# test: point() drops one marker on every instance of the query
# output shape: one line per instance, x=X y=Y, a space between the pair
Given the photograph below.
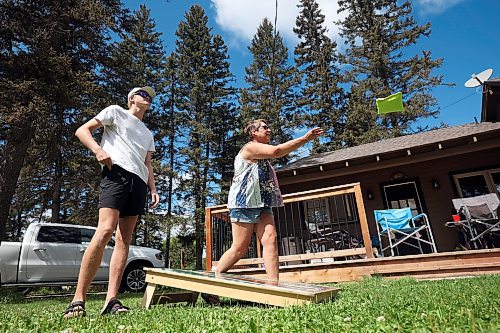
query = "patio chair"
x=398 y=226
x=318 y=238
x=481 y=220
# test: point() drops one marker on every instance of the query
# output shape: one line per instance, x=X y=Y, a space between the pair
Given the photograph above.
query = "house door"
x=402 y=195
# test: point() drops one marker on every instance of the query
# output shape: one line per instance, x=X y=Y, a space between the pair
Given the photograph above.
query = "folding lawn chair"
x=319 y=238
x=482 y=222
x=399 y=227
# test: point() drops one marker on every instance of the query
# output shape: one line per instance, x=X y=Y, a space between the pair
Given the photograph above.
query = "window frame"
x=487 y=174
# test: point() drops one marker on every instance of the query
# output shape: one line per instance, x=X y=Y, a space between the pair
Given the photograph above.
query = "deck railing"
x=313 y=226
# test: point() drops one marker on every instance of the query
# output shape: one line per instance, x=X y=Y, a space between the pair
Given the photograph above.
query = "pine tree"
x=49 y=53
x=193 y=48
x=170 y=131
x=224 y=119
x=272 y=85
x=316 y=58
x=377 y=34
x=138 y=59
x=205 y=97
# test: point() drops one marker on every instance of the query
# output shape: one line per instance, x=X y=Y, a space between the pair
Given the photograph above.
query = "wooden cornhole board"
x=235 y=286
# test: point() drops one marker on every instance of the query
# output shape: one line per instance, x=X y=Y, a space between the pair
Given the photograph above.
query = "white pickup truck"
x=50 y=255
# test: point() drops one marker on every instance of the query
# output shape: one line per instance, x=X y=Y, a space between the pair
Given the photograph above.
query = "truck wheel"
x=134 y=279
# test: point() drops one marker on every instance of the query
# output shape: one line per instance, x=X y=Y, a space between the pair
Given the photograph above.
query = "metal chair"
x=399 y=227
x=481 y=221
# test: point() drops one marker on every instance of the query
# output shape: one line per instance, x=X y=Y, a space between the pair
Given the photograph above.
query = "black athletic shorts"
x=122 y=190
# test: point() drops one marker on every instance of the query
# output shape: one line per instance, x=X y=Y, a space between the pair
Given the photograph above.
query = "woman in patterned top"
x=254 y=191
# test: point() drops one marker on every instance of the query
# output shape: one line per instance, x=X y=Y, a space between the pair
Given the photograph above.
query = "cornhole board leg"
x=238 y=287
x=148 y=295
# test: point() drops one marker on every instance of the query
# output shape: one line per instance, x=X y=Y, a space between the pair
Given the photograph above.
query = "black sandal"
x=75 y=309
x=114 y=306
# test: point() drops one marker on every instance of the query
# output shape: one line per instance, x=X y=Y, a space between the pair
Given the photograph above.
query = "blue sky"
x=466 y=33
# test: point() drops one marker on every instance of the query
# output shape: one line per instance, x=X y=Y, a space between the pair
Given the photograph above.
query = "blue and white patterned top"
x=254 y=185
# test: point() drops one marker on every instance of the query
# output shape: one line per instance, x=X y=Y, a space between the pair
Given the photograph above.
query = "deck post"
x=363 y=221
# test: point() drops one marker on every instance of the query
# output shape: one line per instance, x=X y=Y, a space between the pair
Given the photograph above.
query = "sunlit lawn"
x=371 y=305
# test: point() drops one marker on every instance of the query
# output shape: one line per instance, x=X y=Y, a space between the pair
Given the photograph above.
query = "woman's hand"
x=314 y=133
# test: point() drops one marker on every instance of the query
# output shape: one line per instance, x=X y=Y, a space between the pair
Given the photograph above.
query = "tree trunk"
x=56 y=189
x=170 y=192
x=14 y=153
x=197 y=202
x=167 y=247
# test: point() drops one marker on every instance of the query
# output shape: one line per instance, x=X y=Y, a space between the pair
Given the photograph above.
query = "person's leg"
x=266 y=233
x=108 y=217
x=123 y=238
x=242 y=235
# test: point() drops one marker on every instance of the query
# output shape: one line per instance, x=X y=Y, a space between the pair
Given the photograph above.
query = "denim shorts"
x=248 y=215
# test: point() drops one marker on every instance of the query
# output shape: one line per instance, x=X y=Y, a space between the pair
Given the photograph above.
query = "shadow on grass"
x=14 y=295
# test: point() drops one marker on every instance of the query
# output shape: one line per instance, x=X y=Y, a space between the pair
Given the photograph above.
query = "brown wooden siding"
x=437 y=201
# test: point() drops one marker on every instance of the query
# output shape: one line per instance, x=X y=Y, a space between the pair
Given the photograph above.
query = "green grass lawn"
x=371 y=305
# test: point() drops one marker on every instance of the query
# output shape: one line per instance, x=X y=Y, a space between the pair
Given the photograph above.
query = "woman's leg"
x=266 y=233
x=242 y=234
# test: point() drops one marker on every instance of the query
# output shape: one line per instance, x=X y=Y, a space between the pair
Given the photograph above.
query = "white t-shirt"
x=126 y=140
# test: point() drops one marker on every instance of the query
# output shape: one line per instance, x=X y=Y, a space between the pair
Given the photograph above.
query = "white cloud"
x=436 y=6
x=241 y=18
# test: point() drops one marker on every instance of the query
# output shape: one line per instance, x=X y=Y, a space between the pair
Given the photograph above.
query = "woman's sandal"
x=114 y=306
x=75 y=309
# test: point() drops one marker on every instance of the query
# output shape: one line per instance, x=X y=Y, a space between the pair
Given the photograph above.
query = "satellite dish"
x=478 y=79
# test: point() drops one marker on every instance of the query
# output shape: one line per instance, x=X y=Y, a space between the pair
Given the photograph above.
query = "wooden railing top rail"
x=304 y=195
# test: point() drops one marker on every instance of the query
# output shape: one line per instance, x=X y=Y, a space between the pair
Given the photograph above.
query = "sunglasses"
x=144 y=94
x=265 y=127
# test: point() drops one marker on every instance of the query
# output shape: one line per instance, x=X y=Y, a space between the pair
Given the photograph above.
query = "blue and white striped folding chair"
x=399 y=227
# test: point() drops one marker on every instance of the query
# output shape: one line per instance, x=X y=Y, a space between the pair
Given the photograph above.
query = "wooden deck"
x=331 y=266
x=427 y=266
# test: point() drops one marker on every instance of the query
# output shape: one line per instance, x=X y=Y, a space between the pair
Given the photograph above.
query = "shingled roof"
x=402 y=143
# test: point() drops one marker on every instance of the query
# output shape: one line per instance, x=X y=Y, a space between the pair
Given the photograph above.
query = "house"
x=423 y=171
x=326 y=227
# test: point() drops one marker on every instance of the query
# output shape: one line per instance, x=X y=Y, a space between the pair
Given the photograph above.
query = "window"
x=331 y=210
x=50 y=234
x=87 y=234
x=402 y=195
x=478 y=183
x=495 y=176
x=317 y=211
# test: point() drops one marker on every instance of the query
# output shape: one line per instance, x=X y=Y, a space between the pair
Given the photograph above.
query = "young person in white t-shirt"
x=125 y=156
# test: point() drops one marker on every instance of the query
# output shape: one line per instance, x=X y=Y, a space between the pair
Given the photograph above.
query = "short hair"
x=129 y=102
x=251 y=126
